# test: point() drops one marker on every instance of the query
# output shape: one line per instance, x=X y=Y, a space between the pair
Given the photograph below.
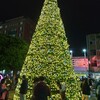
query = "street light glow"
x=71 y=52
x=84 y=50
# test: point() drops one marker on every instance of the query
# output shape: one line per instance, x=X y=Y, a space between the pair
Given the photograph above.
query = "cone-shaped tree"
x=49 y=55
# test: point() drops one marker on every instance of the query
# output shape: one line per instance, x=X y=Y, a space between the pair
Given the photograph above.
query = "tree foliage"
x=12 y=52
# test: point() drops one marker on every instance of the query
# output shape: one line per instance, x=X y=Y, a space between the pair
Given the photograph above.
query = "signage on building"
x=80 y=64
x=95 y=62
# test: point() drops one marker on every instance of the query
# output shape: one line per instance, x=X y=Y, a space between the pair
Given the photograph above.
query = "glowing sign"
x=80 y=63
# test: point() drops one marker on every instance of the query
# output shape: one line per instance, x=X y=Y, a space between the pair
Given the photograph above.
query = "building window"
x=98 y=36
x=13 y=35
x=91 y=42
x=20 y=34
x=20 y=28
x=6 y=26
x=5 y=32
x=21 y=23
x=1 y=27
x=92 y=52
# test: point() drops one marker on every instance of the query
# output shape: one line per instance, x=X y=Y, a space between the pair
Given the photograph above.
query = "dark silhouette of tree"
x=12 y=52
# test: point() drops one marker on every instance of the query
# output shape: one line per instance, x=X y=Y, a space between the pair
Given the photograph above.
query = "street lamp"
x=84 y=51
x=71 y=52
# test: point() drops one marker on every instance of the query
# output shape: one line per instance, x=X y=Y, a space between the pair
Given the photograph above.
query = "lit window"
x=13 y=35
x=20 y=34
x=1 y=27
x=20 y=28
x=21 y=23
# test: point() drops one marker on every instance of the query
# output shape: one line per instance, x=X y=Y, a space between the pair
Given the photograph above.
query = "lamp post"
x=71 y=53
x=84 y=51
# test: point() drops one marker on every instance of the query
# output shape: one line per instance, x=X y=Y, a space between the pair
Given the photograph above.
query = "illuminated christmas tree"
x=49 y=54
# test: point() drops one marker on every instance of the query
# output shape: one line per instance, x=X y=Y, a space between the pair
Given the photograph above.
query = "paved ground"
x=11 y=94
x=93 y=96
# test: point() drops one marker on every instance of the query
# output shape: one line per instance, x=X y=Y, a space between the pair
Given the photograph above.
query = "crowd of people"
x=90 y=88
x=5 y=86
x=41 y=90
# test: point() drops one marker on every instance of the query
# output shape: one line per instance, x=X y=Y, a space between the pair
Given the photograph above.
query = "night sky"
x=80 y=17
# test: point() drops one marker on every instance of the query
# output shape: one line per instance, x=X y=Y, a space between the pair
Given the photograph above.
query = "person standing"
x=3 y=90
x=85 y=89
x=8 y=82
x=36 y=80
x=41 y=90
x=23 y=88
x=98 y=91
x=62 y=90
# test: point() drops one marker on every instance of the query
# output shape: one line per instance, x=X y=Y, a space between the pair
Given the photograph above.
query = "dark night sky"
x=80 y=17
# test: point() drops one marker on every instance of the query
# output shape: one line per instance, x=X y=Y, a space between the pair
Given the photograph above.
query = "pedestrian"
x=3 y=90
x=23 y=88
x=8 y=82
x=85 y=89
x=41 y=90
x=15 y=80
x=62 y=90
x=98 y=91
x=36 y=80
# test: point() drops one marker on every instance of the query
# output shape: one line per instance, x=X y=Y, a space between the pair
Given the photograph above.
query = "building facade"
x=93 y=51
x=20 y=27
